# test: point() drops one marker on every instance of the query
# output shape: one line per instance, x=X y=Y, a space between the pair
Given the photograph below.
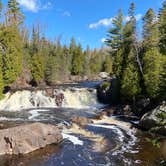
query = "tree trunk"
x=138 y=60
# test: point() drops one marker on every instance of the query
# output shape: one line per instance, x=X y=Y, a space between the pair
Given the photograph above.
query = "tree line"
x=45 y=61
x=139 y=64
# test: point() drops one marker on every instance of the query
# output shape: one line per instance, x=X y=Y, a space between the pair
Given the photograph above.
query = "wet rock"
x=82 y=121
x=142 y=106
x=1 y=125
x=49 y=92
x=108 y=92
x=27 y=138
x=107 y=112
x=127 y=110
x=155 y=120
x=59 y=97
x=104 y=75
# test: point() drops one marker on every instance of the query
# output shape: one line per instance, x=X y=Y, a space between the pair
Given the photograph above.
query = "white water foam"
x=81 y=98
x=126 y=147
x=118 y=131
x=75 y=140
x=9 y=119
x=35 y=113
x=73 y=98
x=25 y=100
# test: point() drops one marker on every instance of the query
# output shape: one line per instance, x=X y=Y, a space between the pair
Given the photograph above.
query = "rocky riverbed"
x=91 y=134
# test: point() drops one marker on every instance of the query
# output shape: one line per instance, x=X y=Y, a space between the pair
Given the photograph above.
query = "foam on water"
x=35 y=113
x=73 y=98
x=112 y=127
x=122 y=129
x=75 y=140
x=81 y=98
x=25 y=100
x=10 y=119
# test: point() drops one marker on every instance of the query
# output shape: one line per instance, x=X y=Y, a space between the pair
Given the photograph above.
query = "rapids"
x=105 y=142
x=72 y=98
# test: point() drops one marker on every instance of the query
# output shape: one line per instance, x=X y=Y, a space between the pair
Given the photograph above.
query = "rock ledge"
x=27 y=138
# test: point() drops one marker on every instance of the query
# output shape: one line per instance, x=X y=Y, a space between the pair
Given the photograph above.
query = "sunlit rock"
x=155 y=120
x=27 y=138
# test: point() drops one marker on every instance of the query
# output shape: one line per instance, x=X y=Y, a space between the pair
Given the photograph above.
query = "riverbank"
x=92 y=134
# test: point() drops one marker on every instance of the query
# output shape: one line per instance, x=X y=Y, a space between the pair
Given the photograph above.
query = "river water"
x=107 y=142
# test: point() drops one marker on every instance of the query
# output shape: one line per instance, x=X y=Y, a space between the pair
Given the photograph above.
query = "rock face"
x=27 y=138
x=82 y=121
x=108 y=92
x=155 y=120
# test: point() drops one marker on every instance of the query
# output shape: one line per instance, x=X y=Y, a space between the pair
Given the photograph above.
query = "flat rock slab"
x=27 y=138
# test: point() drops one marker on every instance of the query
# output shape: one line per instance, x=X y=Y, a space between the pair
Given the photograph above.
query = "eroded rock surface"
x=155 y=120
x=27 y=138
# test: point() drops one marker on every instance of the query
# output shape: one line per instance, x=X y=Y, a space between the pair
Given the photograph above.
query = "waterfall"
x=62 y=97
x=80 y=98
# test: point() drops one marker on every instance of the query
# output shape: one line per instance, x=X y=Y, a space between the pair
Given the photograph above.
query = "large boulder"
x=155 y=120
x=27 y=138
x=108 y=91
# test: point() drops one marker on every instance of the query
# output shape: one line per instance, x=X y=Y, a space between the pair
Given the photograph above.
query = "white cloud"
x=66 y=13
x=31 y=5
x=103 y=22
x=106 y=22
x=103 y=40
x=46 y=6
x=34 y=5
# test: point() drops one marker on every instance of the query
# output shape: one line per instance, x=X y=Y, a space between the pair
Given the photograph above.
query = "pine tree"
x=153 y=61
x=162 y=29
x=153 y=69
x=163 y=78
x=72 y=49
x=130 y=30
x=150 y=30
x=37 y=63
x=12 y=58
x=61 y=54
x=1 y=77
x=130 y=83
x=115 y=41
x=86 y=62
x=51 y=70
x=115 y=34
x=65 y=61
x=35 y=39
x=38 y=68
x=118 y=63
x=95 y=62
x=107 y=65
x=14 y=15
x=1 y=54
x=77 y=62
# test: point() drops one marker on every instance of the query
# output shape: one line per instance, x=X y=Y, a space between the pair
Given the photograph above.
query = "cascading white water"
x=72 y=98
x=80 y=98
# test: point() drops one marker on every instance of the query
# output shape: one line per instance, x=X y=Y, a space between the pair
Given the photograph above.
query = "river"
x=107 y=142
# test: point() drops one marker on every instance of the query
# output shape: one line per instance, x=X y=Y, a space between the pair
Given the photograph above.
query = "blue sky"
x=86 y=20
